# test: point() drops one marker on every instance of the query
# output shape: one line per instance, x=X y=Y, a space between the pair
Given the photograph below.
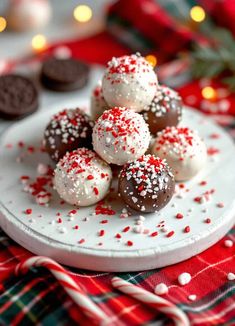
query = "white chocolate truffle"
x=129 y=81
x=82 y=178
x=120 y=136
x=25 y=15
x=183 y=149
x=98 y=104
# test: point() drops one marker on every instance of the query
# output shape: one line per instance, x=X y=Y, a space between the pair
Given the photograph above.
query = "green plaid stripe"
x=38 y=298
x=33 y=298
x=128 y=33
x=138 y=278
x=227 y=291
x=179 y=9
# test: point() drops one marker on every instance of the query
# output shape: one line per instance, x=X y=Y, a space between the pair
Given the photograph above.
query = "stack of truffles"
x=129 y=111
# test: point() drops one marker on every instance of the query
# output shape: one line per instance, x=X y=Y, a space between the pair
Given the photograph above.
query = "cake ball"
x=28 y=14
x=183 y=149
x=146 y=184
x=66 y=131
x=165 y=109
x=98 y=104
x=129 y=81
x=120 y=136
x=82 y=178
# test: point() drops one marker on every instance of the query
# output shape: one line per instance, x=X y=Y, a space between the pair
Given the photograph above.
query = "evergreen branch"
x=216 y=58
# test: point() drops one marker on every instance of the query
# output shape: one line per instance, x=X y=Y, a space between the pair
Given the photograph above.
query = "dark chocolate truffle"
x=18 y=97
x=68 y=130
x=64 y=75
x=146 y=184
x=165 y=110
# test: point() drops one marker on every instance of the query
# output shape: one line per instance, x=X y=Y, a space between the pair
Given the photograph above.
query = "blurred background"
x=58 y=24
x=190 y=43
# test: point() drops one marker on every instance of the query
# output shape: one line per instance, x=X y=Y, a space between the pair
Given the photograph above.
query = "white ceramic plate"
x=41 y=233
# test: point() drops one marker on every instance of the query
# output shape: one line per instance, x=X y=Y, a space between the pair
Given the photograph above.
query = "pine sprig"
x=218 y=57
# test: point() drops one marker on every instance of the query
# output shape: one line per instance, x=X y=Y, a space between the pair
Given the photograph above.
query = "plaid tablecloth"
x=37 y=298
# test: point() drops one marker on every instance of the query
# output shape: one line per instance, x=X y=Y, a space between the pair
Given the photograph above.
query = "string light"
x=39 y=42
x=209 y=93
x=151 y=59
x=82 y=13
x=197 y=14
x=3 y=24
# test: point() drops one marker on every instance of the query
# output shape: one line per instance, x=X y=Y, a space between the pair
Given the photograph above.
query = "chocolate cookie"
x=18 y=97
x=64 y=75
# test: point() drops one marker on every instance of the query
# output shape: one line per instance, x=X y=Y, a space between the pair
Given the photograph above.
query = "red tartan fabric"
x=163 y=34
x=137 y=12
x=214 y=305
x=223 y=12
x=96 y=49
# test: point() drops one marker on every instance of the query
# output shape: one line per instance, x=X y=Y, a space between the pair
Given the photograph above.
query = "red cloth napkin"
x=96 y=49
x=146 y=26
x=223 y=12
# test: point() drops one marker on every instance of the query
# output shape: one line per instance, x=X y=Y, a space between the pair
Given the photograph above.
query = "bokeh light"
x=39 y=42
x=209 y=93
x=151 y=59
x=197 y=14
x=82 y=13
x=3 y=24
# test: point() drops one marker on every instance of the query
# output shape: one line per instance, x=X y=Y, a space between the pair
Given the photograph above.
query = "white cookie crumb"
x=138 y=229
x=184 y=278
x=161 y=289
x=231 y=276
x=42 y=169
x=42 y=199
x=228 y=243
x=141 y=218
x=192 y=297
